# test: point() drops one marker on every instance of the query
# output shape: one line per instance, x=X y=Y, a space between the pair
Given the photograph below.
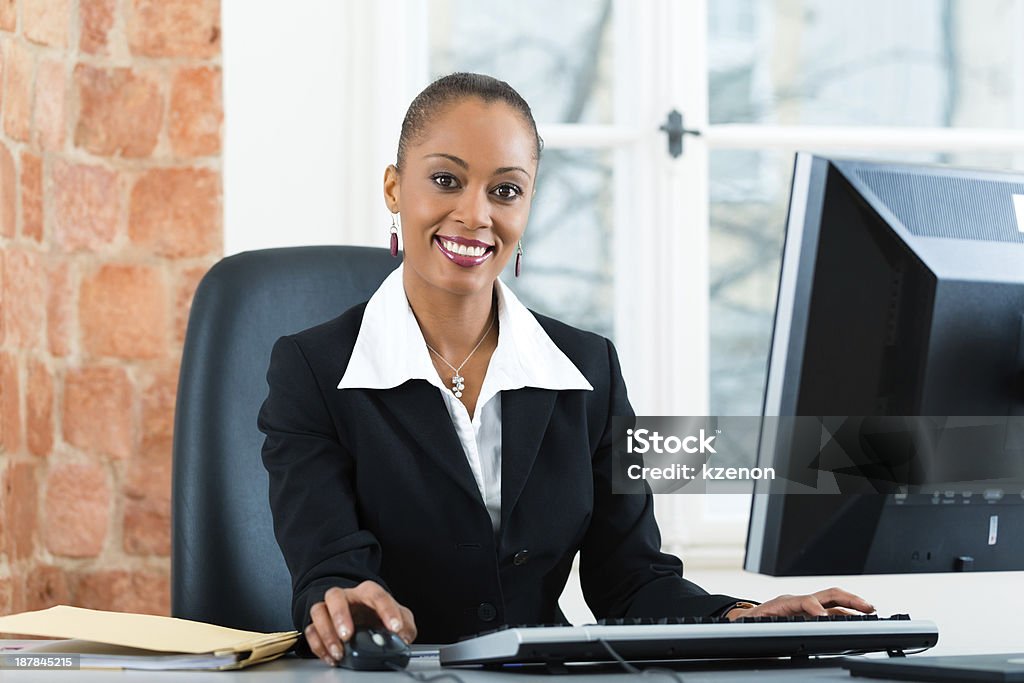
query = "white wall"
x=283 y=152
x=313 y=101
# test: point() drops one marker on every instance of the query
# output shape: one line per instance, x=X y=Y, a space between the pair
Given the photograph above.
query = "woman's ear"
x=392 y=191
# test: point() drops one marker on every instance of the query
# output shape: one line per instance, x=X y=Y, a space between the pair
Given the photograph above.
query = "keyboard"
x=693 y=638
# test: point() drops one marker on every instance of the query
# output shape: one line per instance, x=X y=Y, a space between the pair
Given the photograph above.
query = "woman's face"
x=464 y=195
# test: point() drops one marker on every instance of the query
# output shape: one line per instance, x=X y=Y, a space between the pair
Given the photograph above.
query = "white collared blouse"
x=390 y=350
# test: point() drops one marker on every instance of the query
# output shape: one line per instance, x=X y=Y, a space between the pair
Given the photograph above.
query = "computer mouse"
x=375 y=649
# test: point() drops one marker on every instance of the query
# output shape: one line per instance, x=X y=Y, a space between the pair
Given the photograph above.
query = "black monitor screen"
x=900 y=326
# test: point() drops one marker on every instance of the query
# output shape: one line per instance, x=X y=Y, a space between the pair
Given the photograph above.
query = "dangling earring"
x=394 y=237
x=519 y=257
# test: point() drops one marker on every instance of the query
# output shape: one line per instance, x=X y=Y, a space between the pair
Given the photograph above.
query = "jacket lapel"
x=525 y=414
x=419 y=408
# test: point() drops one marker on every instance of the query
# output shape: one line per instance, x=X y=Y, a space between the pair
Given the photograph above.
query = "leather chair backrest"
x=226 y=567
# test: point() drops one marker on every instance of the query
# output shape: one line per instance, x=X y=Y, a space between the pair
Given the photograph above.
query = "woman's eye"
x=507 y=191
x=445 y=180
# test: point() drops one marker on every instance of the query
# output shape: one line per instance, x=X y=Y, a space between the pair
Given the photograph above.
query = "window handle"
x=673 y=126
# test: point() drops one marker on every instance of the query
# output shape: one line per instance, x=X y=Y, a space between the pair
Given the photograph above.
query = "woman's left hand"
x=820 y=604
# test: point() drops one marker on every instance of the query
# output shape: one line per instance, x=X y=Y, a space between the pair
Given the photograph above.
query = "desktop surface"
x=295 y=670
x=1001 y=668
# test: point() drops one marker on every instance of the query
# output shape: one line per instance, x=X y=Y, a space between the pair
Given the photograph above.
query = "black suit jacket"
x=374 y=484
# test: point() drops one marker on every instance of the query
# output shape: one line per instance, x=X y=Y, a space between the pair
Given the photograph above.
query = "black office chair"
x=226 y=567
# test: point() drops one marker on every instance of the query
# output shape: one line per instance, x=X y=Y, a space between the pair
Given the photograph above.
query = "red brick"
x=143 y=592
x=147 y=505
x=8 y=15
x=46 y=586
x=6 y=593
x=20 y=510
x=24 y=286
x=148 y=473
x=78 y=505
x=8 y=193
x=4 y=524
x=51 y=104
x=196 y=113
x=177 y=211
x=188 y=281
x=17 y=99
x=122 y=312
x=159 y=391
x=18 y=598
x=10 y=408
x=120 y=111
x=147 y=527
x=86 y=205
x=174 y=28
x=32 y=196
x=39 y=408
x=97 y=17
x=97 y=410
x=147 y=487
x=46 y=21
x=60 y=305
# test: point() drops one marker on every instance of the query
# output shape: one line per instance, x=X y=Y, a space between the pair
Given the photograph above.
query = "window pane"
x=558 y=55
x=874 y=62
x=749 y=197
x=748 y=192
x=567 y=259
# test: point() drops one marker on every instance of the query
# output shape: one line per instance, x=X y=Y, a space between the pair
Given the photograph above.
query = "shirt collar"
x=390 y=349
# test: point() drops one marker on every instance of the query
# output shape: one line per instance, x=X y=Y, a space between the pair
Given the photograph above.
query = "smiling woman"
x=471 y=168
x=449 y=478
x=463 y=186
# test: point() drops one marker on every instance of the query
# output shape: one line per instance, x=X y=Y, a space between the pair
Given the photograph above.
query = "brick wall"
x=110 y=212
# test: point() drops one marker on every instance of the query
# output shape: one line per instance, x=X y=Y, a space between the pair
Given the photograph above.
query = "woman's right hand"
x=335 y=619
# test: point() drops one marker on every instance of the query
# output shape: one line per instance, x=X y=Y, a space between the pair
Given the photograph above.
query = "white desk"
x=294 y=670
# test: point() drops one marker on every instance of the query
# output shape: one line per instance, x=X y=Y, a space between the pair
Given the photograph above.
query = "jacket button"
x=520 y=558
x=486 y=611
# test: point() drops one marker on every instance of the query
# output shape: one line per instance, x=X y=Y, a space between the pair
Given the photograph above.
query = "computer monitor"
x=901 y=294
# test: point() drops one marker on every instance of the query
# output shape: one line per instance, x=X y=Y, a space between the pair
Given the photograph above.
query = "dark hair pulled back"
x=452 y=88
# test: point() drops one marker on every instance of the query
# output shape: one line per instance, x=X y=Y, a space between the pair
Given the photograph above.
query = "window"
x=676 y=259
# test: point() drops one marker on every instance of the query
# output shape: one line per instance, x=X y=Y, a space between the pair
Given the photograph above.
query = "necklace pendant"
x=458 y=385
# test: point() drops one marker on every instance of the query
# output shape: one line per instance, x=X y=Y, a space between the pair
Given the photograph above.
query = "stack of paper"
x=143 y=641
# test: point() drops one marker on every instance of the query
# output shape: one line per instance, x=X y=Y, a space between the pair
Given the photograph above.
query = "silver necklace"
x=458 y=381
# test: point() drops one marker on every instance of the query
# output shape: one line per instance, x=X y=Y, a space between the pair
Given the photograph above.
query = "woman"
x=438 y=454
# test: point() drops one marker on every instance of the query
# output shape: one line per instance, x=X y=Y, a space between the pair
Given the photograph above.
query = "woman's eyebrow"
x=450 y=157
x=460 y=162
x=506 y=169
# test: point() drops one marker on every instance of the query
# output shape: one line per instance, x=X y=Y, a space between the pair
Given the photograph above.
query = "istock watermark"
x=643 y=440
x=820 y=455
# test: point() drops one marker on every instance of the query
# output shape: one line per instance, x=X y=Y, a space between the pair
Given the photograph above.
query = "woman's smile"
x=463 y=251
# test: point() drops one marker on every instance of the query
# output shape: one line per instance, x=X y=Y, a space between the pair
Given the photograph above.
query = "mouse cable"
x=651 y=671
x=630 y=668
x=424 y=678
